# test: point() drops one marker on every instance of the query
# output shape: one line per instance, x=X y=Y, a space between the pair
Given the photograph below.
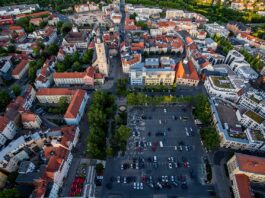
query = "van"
x=155 y=159
x=161 y=144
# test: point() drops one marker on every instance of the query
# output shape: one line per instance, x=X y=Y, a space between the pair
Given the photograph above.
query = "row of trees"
x=142 y=99
x=255 y=61
x=156 y=88
x=202 y=111
x=73 y=62
x=121 y=88
x=223 y=43
x=100 y=111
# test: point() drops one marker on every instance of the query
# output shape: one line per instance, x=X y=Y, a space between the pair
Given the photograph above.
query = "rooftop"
x=254 y=116
x=222 y=82
x=250 y=163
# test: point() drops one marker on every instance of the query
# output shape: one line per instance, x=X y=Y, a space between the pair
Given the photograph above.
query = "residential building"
x=20 y=69
x=237 y=6
x=171 y=14
x=238 y=27
x=6 y=67
x=215 y=28
x=8 y=129
x=130 y=60
x=230 y=129
x=30 y=120
x=18 y=9
x=251 y=119
x=186 y=74
x=153 y=72
x=87 y=78
x=76 y=108
x=77 y=38
x=229 y=88
x=102 y=61
x=53 y=95
x=244 y=169
x=81 y=8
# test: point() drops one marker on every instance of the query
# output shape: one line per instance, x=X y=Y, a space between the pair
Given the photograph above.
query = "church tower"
x=102 y=59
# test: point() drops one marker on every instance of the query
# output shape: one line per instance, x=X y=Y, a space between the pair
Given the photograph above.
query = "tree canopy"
x=7 y=193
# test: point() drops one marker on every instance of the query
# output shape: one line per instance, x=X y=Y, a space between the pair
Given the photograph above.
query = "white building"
x=18 y=9
x=76 y=108
x=228 y=88
x=215 y=28
x=251 y=119
x=171 y=14
x=8 y=128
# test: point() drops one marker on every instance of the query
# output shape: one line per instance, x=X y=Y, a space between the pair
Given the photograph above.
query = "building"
x=171 y=14
x=76 y=108
x=77 y=98
x=77 y=38
x=102 y=61
x=30 y=120
x=81 y=8
x=20 y=69
x=215 y=28
x=238 y=27
x=229 y=88
x=6 y=67
x=18 y=9
x=153 y=72
x=130 y=60
x=186 y=74
x=244 y=169
x=237 y=6
x=8 y=129
x=87 y=78
x=251 y=119
x=230 y=129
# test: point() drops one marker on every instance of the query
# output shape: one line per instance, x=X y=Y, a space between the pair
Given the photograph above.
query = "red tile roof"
x=28 y=117
x=55 y=91
x=74 y=106
x=250 y=163
x=3 y=122
x=69 y=75
x=20 y=67
x=243 y=186
x=180 y=71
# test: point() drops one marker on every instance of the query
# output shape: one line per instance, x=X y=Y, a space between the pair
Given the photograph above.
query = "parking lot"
x=164 y=156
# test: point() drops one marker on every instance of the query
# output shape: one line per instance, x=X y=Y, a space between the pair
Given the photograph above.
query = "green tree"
x=66 y=27
x=63 y=105
x=4 y=100
x=16 y=89
x=87 y=56
x=32 y=71
x=210 y=138
x=77 y=67
x=99 y=168
x=202 y=109
x=7 y=193
x=53 y=49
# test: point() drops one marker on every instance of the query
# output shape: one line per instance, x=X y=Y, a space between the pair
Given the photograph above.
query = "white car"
x=163 y=178
x=124 y=180
x=122 y=167
x=170 y=165
x=190 y=129
x=180 y=148
x=187 y=133
x=176 y=148
x=118 y=179
x=141 y=186
x=165 y=110
x=134 y=185
x=137 y=186
x=172 y=178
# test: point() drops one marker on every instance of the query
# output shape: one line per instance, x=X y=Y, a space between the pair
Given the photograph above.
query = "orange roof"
x=68 y=135
x=54 y=91
x=69 y=75
x=189 y=40
x=74 y=106
x=15 y=27
x=19 y=67
x=243 y=186
x=180 y=71
x=250 y=163
x=28 y=117
x=3 y=122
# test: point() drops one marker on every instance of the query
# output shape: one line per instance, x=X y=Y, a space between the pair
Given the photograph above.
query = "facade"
x=7 y=128
x=130 y=60
x=77 y=38
x=5 y=67
x=18 y=9
x=102 y=62
x=237 y=27
x=153 y=72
